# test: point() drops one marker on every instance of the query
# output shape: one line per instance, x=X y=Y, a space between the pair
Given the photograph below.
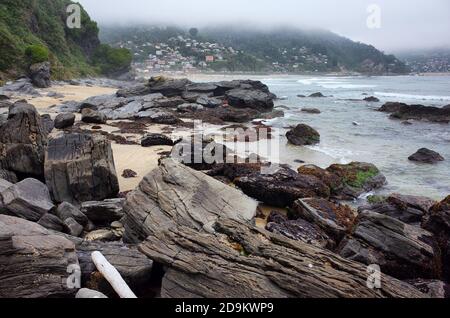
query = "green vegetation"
x=358 y=179
x=36 y=54
x=373 y=199
x=112 y=60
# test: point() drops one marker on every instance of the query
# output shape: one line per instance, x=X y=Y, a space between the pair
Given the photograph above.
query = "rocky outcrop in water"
x=425 y=155
x=417 y=112
x=303 y=135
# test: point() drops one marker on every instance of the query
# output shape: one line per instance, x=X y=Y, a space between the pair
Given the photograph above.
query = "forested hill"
x=36 y=31
x=246 y=49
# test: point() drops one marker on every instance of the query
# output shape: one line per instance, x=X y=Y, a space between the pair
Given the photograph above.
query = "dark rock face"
x=64 y=120
x=33 y=262
x=316 y=95
x=255 y=99
x=168 y=87
x=371 y=99
x=47 y=123
x=406 y=208
x=418 y=112
x=103 y=212
x=128 y=173
x=22 y=142
x=52 y=222
x=73 y=228
x=200 y=154
x=154 y=206
x=437 y=221
x=150 y=140
x=303 y=135
x=8 y=176
x=40 y=75
x=431 y=287
x=282 y=188
x=334 y=219
x=311 y=110
x=66 y=210
x=401 y=250
x=28 y=199
x=90 y=116
x=299 y=230
x=80 y=167
x=425 y=155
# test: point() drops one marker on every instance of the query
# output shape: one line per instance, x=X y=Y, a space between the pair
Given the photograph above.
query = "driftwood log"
x=79 y=168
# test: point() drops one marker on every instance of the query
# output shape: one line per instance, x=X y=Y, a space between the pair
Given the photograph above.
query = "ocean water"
x=377 y=139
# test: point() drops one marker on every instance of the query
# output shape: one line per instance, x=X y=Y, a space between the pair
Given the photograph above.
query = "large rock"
x=174 y=193
x=47 y=123
x=52 y=222
x=242 y=261
x=90 y=116
x=66 y=210
x=28 y=199
x=33 y=262
x=22 y=142
x=401 y=250
x=282 y=188
x=80 y=167
x=40 y=74
x=250 y=98
x=137 y=90
x=150 y=140
x=418 y=112
x=103 y=212
x=168 y=87
x=425 y=155
x=437 y=221
x=8 y=176
x=303 y=135
x=64 y=120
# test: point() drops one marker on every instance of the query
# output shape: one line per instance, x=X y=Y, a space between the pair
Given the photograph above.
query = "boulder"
x=417 y=112
x=28 y=199
x=33 y=262
x=22 y=86
x=303 y=135
x=331 y=180
x=128 y=173
x=437 y=221
x=47 y=123
x=311 y=110
x=318 y=94
x=371 y=99
x=80 y=167
x=22 y=142
x=52 y=222
x=282 y=188
x=238 y=255
x=73 y=228
x=103 y=212
x=174 y=193
x=401 y=250
x=199 y=153
x=164 y=118
x=90 y=116
x=66 y=210
x=64 y=120
x=299 y=230
x=150 y=140
x=425 y=155
x=85 y=293
x=334 y=219
x=40 y=74
x=250 y=98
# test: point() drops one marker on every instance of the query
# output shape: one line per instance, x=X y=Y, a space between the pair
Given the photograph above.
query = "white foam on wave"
x=416 y=97
x=342 y=155
x=347 y=86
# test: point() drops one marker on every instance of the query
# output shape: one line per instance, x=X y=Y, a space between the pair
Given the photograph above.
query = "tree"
x=193 y=32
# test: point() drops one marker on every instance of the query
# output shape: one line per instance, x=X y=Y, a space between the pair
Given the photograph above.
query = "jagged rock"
x=371 y=99
x=40 y=74
x=33 y=262
x=8 y=176
x=52 y=222
x=408 y=209
x=64 y=120
x=66 y=210
x=433 y=288
x=303 y=135
x=238 y=255
x=128 y=173
x=401 y=250
x=299 y=230
x=22 y=142
x=425 y=155
x=282 y=188
x=150 y=140
x=418 y=112
x=437 y=221
x=254 y=99
x=47 y=123
x=80 y=167
x=90 y=116
x=334 y=219
x=168 y=87
x=200 y=154
x=319 y=94
x=332 y=181
x=28 y=199
x=176 y=192
x=85 y=293
x=103 y=212
x=311 y=110
x=73 y=227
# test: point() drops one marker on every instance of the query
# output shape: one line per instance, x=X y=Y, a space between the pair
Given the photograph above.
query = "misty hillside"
x=280 y=50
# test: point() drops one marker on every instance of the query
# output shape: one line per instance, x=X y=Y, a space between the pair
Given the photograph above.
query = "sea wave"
x=416 y=97
x=342 y=155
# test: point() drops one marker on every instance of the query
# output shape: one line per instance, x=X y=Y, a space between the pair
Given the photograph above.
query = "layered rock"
x=103 y=212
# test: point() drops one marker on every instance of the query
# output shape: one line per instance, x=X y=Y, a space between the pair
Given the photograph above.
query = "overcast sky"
x=405 y=24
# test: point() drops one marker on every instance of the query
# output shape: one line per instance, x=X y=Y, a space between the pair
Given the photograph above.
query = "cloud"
x=405 y=24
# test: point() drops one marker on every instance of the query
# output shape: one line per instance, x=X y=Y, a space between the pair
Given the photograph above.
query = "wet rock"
x=229 y=114
x=175 y=192
x=22 y=142
x=299 y=230
x=80 y=167
x=334 y=219
x=103 y=212
x=52 y=222
x=66 y=210
x=319 y=94
x=254 y=99
x=401 y=250
x=301 y=96
x=47 y=123
x=330 y=179
x=90 y=116
x=64 y=120
x=311 y=110
x=432 y=288
x=417 y=112
x=303 y=135
x=282 y=188
x=73 y=227
x=273 y=114
x=85 y=293
x=128 y=173
x=33 y=262
x=150 y=140
x=371 y=99
x=425 y=155
x=40 y=74
x=28 y=199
